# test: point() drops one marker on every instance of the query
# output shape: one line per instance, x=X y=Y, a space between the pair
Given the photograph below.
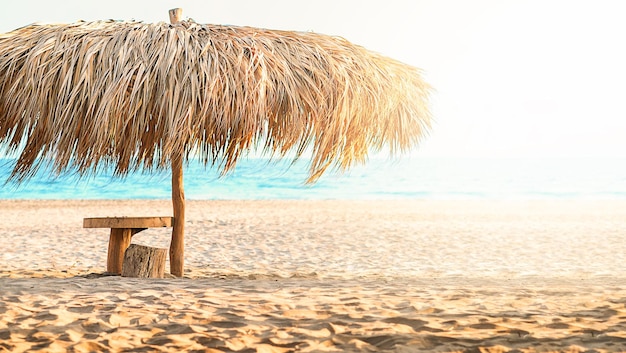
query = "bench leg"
x=119 y=241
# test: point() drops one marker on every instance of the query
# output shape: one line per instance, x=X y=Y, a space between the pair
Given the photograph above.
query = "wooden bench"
x=122 y=230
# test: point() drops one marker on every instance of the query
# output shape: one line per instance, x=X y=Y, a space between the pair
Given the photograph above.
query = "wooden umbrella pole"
x=176 y=15
x=177 y=246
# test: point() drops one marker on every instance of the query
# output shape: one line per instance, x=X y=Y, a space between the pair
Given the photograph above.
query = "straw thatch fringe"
x=134 y=95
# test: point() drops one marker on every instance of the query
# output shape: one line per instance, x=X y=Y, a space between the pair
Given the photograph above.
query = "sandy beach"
x=310 y=276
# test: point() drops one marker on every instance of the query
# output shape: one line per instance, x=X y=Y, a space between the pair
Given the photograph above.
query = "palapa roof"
x=134 y=95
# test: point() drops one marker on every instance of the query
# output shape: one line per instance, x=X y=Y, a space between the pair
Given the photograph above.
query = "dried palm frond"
x=133 y=95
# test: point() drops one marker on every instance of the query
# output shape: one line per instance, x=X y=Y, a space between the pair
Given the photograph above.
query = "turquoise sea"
x=404 y=178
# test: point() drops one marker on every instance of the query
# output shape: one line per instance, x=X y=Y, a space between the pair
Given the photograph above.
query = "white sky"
x=536 y=78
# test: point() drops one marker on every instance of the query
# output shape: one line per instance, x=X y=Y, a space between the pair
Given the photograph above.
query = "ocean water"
x=404 y=178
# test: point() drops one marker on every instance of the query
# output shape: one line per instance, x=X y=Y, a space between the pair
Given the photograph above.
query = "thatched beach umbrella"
x=131 y=96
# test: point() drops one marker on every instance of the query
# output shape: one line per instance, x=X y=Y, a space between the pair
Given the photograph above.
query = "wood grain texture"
x=176 y=15
x=118 y=243
x=144 y=261
x=127 y=222
x=177 y=246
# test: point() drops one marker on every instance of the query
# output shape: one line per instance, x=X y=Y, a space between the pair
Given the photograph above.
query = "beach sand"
x=311 y=276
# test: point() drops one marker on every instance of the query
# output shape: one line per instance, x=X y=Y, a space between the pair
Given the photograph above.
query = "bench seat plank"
x=127 y=222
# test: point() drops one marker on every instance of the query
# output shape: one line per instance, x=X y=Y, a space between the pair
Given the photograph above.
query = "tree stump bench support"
x=122 y=230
